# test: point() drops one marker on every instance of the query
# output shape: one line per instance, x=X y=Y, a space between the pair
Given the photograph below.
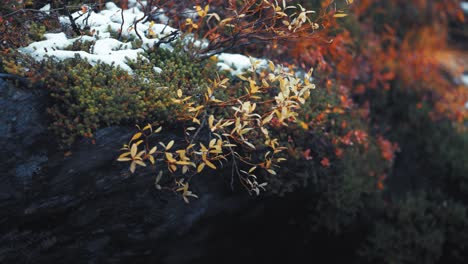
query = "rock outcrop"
x=87 y=208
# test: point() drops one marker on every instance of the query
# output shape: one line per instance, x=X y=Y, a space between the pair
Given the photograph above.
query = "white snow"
x=158 y=14
x=112 y=51
x=237 y=63
x=106 y=49
x=464 y=79
x=464 y=6
x=46 y=9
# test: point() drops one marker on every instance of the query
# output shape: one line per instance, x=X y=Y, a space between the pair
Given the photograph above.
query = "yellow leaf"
x=271 y=65
x=245 y=130
x=148 y=126
x=249 y=144
x=199 y=11
x=183 y=163
x=340 y=15
x=153 y=150
x=133 y=150
x=169 y=146
x=203 y=148
x=212 y=142
x=172 y=168
x=138 y=142
x=191 y=109
x=186 y=98
x=226 y=20
x=169 y=157
x=179 y=93
x=141 y=163
x=200 y=167
x=190 y=146
x=151 y=159
x=124 y=159
x=241 y=77
x=267 y=119
x=136 y=136
x=272 y=171
x=211 y=120
x=158 y=130
x=253 y=86
x=211 y=165
x=124 y=155
x=132 y=167
x=140 y=154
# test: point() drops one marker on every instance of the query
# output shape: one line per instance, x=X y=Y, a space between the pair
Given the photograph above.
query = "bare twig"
x=72 y=21
x=168 y=38
x=25 y=10
x=199 y=128
x=122 y=24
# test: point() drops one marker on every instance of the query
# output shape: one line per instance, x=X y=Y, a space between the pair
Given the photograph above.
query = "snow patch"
x=464 y=6
x=106 y=49
x=45 y=9
x=157 y=69
x=112 y=51
x=237 y=63
x=464 y=79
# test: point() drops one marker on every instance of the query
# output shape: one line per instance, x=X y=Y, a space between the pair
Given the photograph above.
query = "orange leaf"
x=325 y=162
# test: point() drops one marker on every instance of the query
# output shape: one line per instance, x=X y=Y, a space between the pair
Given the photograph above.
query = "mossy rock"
x=86 y=97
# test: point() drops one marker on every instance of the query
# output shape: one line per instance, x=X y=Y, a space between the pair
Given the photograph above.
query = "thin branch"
x=122 y=24
x=72 y=21
x=24 y=10
x=199 y=128
x=168 y=38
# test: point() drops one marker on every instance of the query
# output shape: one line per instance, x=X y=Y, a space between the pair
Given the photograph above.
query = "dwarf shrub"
x=420 y=228
x=87 y=97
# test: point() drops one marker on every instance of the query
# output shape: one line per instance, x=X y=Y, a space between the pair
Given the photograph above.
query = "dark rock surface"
x=86 y=208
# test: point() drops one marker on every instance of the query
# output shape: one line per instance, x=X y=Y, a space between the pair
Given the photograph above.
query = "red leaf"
x=325 y=162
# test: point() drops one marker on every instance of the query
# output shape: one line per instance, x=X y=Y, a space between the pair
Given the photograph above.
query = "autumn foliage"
x=380 y=45
x=357 y=111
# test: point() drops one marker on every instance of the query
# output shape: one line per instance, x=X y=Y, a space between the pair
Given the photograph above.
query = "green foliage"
x=237 y=130
x=179 y=69
x=433 y=155
x=36 y=31
x=419 y=229
x=87 y=97
x=81 y=46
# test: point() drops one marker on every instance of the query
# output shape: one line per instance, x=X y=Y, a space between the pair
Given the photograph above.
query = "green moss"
x=80 y=46
x=422 y=228
x=36 y=31
x=85 y=97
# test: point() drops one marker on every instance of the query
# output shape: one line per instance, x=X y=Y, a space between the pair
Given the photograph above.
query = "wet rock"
x=22 y=131
x=86 y=207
